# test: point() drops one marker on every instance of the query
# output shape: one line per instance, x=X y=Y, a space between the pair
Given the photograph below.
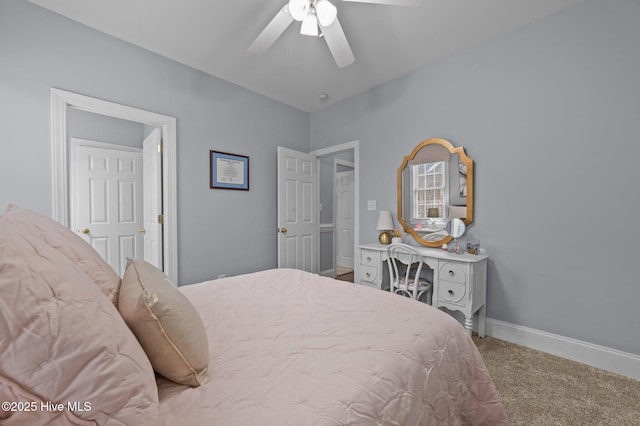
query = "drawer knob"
x=450 y=292
x=368 y=274
x=451 y=273
x=368 y=259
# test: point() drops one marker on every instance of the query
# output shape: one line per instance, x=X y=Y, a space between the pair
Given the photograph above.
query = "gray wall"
x=551 y=115
x=100 y=128
x=220 y=231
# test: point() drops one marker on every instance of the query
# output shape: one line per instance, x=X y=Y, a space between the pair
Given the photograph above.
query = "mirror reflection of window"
x=430 y=190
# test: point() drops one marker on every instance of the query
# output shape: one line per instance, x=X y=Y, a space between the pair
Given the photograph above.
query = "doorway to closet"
x=338 y=193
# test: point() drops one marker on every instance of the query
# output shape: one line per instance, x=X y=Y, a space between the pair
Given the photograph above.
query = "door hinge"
x=160 y=218
x=160 y=148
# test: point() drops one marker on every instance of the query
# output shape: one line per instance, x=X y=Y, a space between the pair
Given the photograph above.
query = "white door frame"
x=152 y=198
x=332 y=150
x=61 y=100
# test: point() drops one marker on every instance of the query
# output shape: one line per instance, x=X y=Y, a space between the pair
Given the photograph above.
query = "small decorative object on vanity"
x=396 y=236
x=385 y=224
x=473 y=247
x=456 y=228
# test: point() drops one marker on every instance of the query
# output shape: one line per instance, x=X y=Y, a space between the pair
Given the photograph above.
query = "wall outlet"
x=371 y=204
x=221 y=276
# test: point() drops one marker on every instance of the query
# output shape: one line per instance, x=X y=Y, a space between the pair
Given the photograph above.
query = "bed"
x=275 y=347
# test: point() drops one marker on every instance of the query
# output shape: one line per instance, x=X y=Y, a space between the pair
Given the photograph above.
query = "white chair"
x=405 y=265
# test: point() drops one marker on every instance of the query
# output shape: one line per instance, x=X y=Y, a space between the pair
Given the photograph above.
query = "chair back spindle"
x=404 y=275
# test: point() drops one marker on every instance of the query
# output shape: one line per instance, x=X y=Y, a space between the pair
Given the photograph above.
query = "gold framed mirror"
x=435 y=185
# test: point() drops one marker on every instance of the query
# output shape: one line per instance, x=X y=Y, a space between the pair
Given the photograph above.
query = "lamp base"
x=384 y=237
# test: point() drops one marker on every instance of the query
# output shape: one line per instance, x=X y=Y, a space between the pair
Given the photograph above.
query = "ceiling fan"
x=315 y=14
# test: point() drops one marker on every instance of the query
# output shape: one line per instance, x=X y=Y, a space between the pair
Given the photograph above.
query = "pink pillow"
x=63 y=342
x=71 y=245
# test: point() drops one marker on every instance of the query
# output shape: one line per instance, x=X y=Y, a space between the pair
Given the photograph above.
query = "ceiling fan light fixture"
x=326 y=12
x=310 y=25
x=299 y=9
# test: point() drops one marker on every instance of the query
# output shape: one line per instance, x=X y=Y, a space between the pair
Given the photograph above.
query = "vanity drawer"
x=452 y=292
x=369 y=258
x=369 y=275
x=453 y=272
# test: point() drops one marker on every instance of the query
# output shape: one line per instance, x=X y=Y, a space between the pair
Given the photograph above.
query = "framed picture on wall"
x=228 y=171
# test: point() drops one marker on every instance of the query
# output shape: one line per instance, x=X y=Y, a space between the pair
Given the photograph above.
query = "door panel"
x=98 y=199
x=308 y=252
x=126 y=201
x=101 y=245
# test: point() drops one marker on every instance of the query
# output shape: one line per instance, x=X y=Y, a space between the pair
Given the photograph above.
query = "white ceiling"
x=387 y=41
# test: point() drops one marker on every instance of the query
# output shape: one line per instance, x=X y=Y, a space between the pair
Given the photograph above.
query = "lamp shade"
x=385 y=221
x=433 y=212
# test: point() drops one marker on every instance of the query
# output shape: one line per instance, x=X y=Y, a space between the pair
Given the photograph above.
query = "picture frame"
x=228 y=171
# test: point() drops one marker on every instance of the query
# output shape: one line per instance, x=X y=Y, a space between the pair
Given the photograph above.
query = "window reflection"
x=430 y=191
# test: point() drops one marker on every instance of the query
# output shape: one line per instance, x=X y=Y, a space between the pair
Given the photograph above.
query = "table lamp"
x=385 y=224
x=433 y=212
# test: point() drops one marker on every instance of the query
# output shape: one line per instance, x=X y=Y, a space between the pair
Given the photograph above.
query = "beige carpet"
x=542 y=389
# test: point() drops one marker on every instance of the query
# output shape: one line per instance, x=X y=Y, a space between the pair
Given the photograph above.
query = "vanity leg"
x=482 y=316
x=468 y=324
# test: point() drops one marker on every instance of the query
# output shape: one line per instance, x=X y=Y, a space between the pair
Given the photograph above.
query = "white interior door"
x=106 y=197
x=344 y=218
x=152 y=206
x=297 y=210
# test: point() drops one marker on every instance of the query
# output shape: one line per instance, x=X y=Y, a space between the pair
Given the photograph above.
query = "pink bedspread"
x=292 y=348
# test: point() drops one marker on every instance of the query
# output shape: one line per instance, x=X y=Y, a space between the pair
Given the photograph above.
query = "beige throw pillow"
x=165 y=322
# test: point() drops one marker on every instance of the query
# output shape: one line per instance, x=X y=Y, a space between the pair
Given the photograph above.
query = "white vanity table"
x=459 y=280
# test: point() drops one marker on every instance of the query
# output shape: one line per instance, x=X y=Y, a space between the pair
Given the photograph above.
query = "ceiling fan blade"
x=338 y=44
x=389 y=2
x=272 y=31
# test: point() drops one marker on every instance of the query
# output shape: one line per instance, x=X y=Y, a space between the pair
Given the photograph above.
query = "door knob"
x=283 y=230
x=85 y=230
x=142 y=231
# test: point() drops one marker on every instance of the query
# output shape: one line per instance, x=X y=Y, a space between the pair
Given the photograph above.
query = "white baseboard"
x=613 y=360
